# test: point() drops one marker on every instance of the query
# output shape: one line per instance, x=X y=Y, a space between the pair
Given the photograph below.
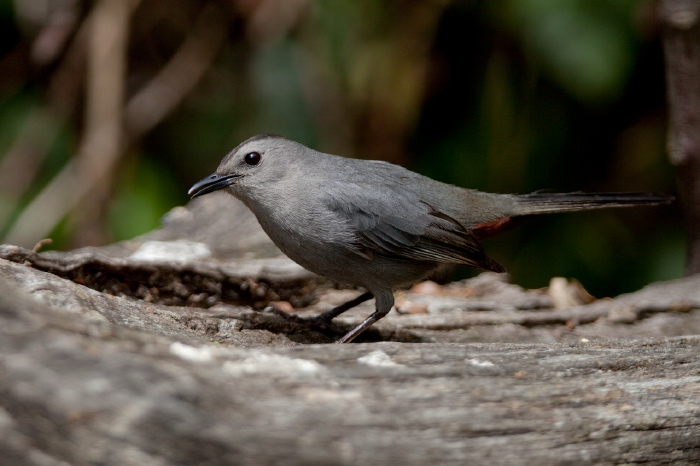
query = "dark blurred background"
x=111 y=109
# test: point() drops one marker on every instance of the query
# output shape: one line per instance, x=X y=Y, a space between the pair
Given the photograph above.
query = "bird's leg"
x=322 y=320
x=384 y=304
x=336 y=311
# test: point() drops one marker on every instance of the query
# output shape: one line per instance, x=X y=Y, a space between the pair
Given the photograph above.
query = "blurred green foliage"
x=586 y=46
x=505 y=96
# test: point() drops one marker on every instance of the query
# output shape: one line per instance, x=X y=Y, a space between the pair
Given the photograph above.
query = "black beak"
x=210 y=184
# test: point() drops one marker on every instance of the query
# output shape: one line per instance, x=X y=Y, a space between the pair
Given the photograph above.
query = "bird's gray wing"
x=397 y=225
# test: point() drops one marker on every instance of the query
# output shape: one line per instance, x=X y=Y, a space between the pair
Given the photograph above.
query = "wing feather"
x=395 y=225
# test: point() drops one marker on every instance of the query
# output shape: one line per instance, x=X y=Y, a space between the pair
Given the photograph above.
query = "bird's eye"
x=252 y=158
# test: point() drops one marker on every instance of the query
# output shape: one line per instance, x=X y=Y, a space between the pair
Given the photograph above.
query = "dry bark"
x=106 y=357
x=681 y=40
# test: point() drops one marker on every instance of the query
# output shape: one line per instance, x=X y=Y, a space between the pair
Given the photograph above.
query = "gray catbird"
x=372 y=223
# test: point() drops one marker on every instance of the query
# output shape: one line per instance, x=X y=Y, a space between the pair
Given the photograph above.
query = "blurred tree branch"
x=103 y=138
x=101 y=144
x=178 y=77
x=22 y=163
x=681 y=41
x=110 y=125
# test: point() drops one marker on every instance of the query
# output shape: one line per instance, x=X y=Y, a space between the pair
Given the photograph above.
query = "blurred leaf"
x=584 y=45
x=276 y=81
x=142 y=198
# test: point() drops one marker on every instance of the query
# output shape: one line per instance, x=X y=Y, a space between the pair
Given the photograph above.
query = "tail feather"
x=542 y=203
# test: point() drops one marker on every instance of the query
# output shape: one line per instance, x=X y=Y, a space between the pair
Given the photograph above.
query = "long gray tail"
x=542 y=203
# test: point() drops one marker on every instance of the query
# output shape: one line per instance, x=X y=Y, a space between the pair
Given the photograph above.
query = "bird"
x=374 y=224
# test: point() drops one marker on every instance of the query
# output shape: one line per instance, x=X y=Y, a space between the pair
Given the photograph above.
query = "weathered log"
x=158 y=351
x=79 y=390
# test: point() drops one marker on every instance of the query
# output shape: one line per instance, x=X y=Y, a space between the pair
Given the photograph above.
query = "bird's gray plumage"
x=372 y=223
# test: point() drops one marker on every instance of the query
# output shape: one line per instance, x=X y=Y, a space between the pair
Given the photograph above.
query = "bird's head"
x=258 y=161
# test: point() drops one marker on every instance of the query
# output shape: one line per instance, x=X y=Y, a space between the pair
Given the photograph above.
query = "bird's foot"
x=320 y=322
